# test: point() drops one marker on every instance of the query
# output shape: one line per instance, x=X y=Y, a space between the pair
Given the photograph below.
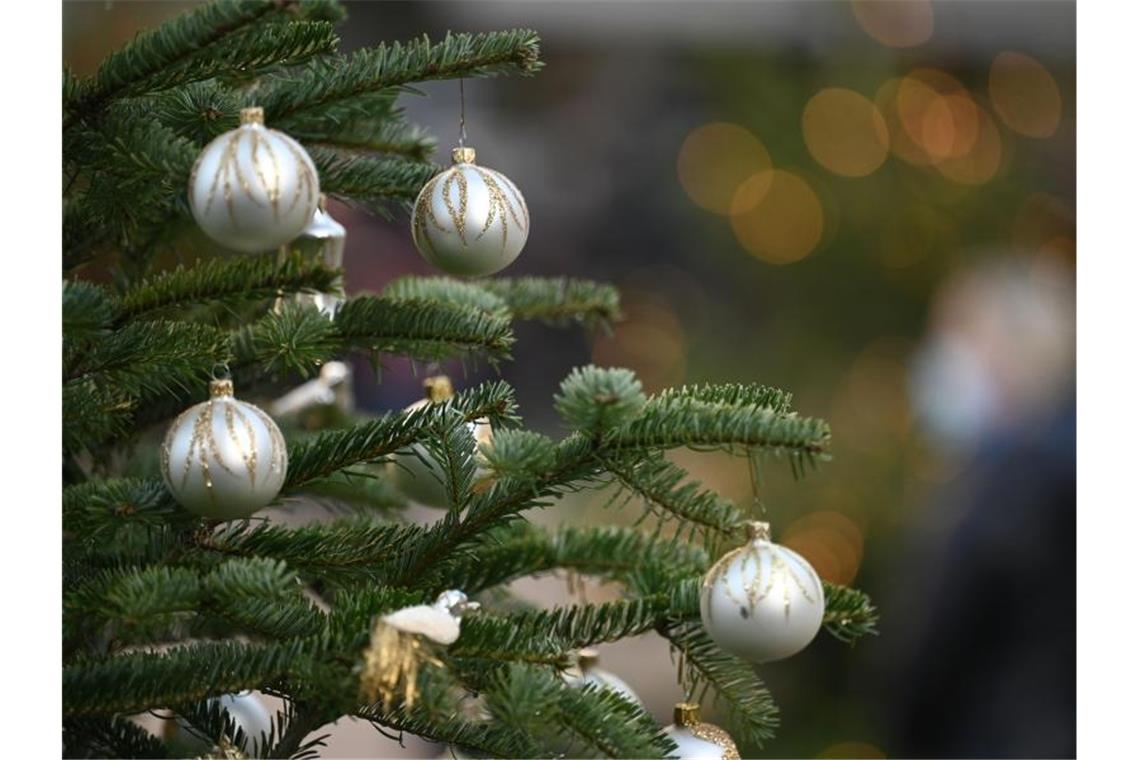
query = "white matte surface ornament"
x=763 y=601
x=252 y=188
x=468 y=220
x=588 y=672
x=224 y=459
x=691 y=746
x=697 y=740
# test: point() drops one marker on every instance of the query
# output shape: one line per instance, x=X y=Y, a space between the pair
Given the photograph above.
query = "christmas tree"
x=171 y=603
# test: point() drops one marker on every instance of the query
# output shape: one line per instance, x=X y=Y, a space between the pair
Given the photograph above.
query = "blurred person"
x=982 y=603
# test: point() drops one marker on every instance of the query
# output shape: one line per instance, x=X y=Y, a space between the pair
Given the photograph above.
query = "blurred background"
x=870 y=204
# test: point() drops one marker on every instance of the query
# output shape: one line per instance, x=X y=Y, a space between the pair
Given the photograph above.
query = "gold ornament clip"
x=438 y=388
x=462 y=155
x=686 y=713
x=221 y=388
x=253 y=115
x=758 y=530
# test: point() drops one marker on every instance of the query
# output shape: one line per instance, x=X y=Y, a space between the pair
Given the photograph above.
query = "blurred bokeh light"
x=715 y=159
x=1025 y=95
x=777 y=217
x=845 y=132
x=896 y=24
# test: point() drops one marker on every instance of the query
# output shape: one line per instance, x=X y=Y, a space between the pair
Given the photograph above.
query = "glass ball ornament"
x=417 y=475
x=253 y=188
x=224 y=459
x=247 y=711
x=697 y=740
x=762 y=601
x=468 y=220
x=588 y=672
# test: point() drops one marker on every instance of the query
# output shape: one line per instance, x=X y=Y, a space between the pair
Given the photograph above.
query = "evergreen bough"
x=166 y=610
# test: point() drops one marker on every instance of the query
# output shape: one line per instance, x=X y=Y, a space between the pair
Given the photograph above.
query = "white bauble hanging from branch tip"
x=253 y=188
x=762 y=601
x=697 y=740
x=468 y=220
x=224 y=459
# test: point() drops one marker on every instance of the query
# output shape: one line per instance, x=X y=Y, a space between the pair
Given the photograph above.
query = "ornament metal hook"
x=462 y=116
x=223 y=374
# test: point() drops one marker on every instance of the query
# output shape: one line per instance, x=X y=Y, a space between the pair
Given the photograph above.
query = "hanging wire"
x=462 y=116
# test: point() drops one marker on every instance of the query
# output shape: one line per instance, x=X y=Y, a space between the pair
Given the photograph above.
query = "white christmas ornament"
x=763 y=601
x=438 y=621
x=588 y=672
x=469 y=220
x=322 y=240
x=417 y=474
x=252 y=188
x=223 y=459
x=696 y=740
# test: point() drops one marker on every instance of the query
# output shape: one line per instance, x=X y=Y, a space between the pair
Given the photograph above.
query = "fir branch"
x=494 y=740
x=207 y=41
x=389 y=136
x=850 y=614
x=611 y=553
x=422 y=329
x=87 y=310
x=341 y=550
x=594 y=400
x=547 y=636
x=558 y=300
x=734 y=395
x=199 y=111
x=332 y=451
x=369 y=180
x=446 y=290
x=294 y=339
x=138 y=681
x=325 y=83
x=753 y=715
x=94 y=511
x=110 y=736
x=700 y=424
x=228 y=280
x=663 y=484
x=518 y=454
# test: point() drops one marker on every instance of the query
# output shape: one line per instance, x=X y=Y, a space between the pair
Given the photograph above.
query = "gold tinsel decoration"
x=392 y=665
x=224 y=750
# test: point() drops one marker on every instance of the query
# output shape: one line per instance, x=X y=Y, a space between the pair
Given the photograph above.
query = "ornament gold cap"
x=587 y=658
x=462 y=155
x=221 y=388
x=686 y=713
x=253 y=115
x=758 y=530
x=438 y=388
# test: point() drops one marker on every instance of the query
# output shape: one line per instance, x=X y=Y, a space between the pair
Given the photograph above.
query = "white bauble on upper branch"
x=253 y=188
x=762 y=601
x=468 y=220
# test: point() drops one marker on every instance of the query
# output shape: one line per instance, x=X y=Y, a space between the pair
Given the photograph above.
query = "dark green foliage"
x=326 y=83
x=162 y=609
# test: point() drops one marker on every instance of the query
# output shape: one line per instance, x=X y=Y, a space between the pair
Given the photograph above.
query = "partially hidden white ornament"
x=588 y=672
x=696 y=740
x=438 y=621
x=246 y=710
x=223 y=458
x=253 y=188
x=762 y=601
x=468 y=220
x=322 y=240
x=418 y=475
